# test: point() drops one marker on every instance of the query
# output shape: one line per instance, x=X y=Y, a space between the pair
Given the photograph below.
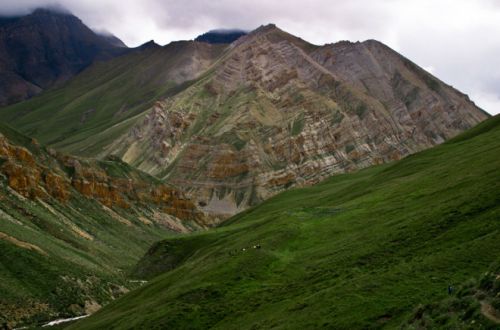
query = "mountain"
x=236 y=124
x=276 y=111
x=72 y=228
x=44 y=48
x=103 y=101
x=357 y=251
x=132 y=147
x=221 y=36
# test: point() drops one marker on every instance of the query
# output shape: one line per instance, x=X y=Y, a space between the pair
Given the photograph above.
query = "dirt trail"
x=489 y=312
x=21 y=244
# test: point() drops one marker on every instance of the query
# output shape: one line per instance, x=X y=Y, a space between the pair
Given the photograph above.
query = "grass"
x=473 y=305
x=72 y=269
x=298 y=125
x=65 y=270
x=359 y=250
x=99 y=104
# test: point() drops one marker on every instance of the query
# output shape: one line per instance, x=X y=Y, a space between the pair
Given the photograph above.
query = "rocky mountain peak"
x=266 y=28
x=271 y=34
x=149 y=45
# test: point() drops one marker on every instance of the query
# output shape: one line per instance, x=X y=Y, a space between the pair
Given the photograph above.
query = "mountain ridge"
x=235 y=124
x=270 y=69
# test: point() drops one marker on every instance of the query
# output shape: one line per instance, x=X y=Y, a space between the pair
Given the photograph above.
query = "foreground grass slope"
x=360 y=250
x=473 y=305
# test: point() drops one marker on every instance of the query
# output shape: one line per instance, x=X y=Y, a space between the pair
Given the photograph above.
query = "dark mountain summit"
x=113 y=40
x=221 y=36
x=47 y=47
x=151 y=44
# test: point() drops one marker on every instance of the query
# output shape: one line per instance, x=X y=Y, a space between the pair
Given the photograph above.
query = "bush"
x=495 y=303
x=360 y=110
x=349 y=148
x=486 y=282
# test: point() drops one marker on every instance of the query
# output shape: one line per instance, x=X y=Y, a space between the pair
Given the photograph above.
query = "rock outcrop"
x=54 y=175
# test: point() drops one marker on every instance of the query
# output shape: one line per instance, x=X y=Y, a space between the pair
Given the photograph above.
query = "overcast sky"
x=456 y=40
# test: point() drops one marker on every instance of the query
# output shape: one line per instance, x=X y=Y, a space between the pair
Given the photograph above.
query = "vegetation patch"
x=475 y=304
x=361 y=110
x=298 y=124
x=337 y=117
x=349 y=148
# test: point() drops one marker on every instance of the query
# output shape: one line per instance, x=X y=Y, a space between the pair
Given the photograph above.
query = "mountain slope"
x=70 y=228
x=359 y=250
x=44 y=48
x=102 y=102
x=276 y=112
x=473 y=305
x=236 y=124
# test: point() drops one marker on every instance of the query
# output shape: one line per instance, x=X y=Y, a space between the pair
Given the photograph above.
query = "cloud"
x=457 y=40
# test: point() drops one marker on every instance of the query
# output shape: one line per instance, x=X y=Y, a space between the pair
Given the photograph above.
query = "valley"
x=72 y=228
x=359 y=250
x=239 y=180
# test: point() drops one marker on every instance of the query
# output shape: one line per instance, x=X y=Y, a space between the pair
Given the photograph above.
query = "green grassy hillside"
x=473 y=305
x=65 y=250
x=101 y=102
x=359 y=250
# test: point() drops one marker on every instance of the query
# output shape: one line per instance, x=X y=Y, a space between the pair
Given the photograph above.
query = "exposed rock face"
x=44 y=48
x=276 y=112
x=63 y=178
